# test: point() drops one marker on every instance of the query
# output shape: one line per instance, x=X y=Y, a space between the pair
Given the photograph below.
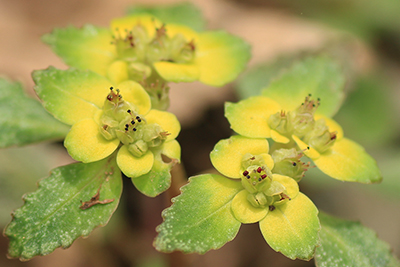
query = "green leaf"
x=389 y=164
x=51 y=216
x=23 y=120
x=15 y=181
x=254 y=79
x=367 y=113
x=156 y=181
x=180 y=13
x=88 y=47
x=346 y=243
x=320 y=76
x=200 y=219
x=71 y=95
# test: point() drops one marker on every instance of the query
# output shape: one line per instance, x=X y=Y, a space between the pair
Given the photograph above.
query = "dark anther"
x=126 y=125
x=271 y=208
x=132 y=122
x=111 y=88
x=109 y=97
x=134 y=129
x=245 y=173
x=308 y=148
x=259 y=169
x=137 y=117
x=294 y=164
x=248 y=176
x=263 y=176
x=139 y=120
x=252 y=158
x=129 y=111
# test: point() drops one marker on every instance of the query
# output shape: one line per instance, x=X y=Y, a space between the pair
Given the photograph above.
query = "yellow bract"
x=166 y=120
x=177 y=72
x=293 y=228
x=244 y=212
x=249 y=117
x=172 y=150
x=121 y=26
x=134 y=166
x=134 y=93
x=85 y=143
x=228 y=154
x=347 y=160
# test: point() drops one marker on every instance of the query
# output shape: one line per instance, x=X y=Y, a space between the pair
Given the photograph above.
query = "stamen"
x=333 y=135
x=271 y=208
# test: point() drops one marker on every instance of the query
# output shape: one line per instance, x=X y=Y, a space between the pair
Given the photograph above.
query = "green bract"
x=104 y=119
x=288 y=219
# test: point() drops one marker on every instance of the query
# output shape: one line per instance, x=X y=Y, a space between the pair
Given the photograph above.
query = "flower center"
x=287 y=162
x=140 y=50
x=257 y=179
x=301 y=122
x=119 y=120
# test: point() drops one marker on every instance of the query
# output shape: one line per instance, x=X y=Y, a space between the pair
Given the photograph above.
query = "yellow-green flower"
x=141 y=47
x=288 y=219
x=301 y=126
x=106 y=118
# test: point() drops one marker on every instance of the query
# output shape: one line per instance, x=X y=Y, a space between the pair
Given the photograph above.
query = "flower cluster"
x=144 y=49
x=320 y=137
x=105 y=119
x=140 y=54
x=267 y=197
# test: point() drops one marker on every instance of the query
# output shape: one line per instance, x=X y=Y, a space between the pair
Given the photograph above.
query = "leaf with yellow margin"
x=200 y=218
x=292 y=228
x=249 y=117
x=348 y=161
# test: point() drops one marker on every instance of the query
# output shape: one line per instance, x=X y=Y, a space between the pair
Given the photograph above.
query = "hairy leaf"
x=71 y=95
x=200 y=219
x=88 y=47
x=346 y=243
x=181 y=13
x=320 y=76
x=64 y=208
x=23 y=120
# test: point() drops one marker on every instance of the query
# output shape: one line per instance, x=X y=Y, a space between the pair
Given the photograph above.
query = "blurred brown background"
x=272 y=30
